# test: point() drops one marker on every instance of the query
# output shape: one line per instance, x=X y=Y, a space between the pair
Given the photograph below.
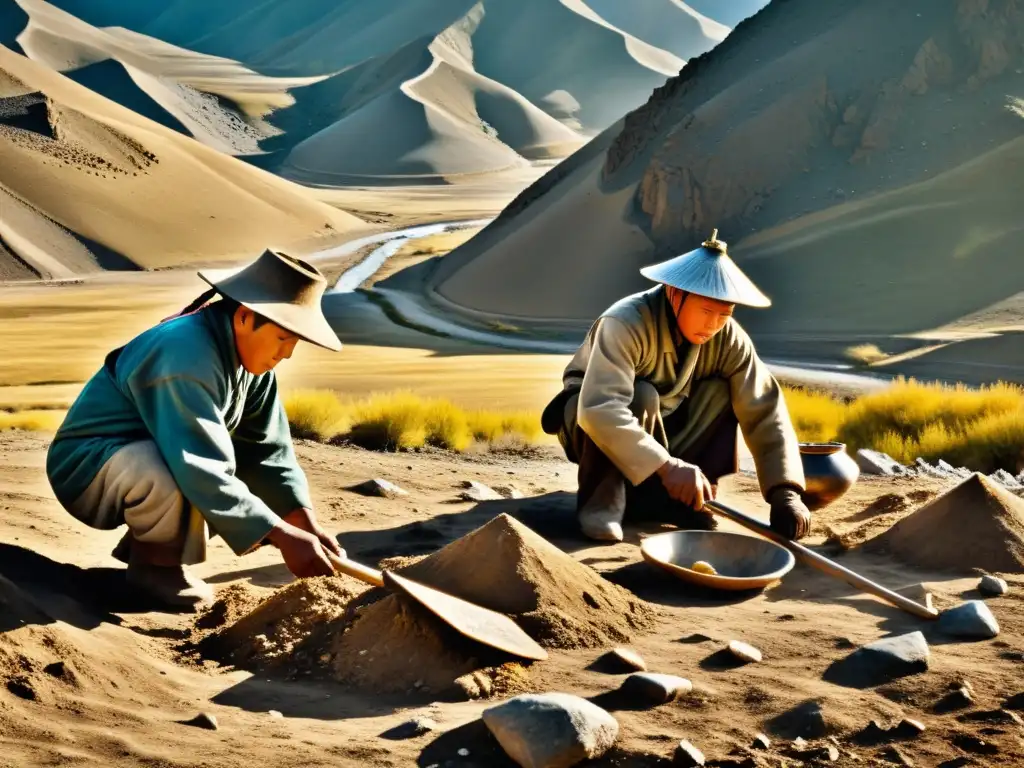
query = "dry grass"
x=404 y=421
x=981 y=429
x=865 y=354
x=31 y=420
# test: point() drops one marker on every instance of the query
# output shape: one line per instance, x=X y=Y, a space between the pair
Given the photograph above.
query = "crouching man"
x=181 y=434
x=654 y=394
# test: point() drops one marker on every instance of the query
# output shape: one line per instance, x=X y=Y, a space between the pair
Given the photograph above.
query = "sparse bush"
x=865 y=354
x=31 y=420
x=316 y=414
x=981 y=429
x=404 y=421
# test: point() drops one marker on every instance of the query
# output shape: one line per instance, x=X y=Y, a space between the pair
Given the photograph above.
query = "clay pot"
x=829 y=473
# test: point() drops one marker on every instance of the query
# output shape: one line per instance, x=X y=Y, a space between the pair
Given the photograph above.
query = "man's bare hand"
x=303 y=552
x=305 y=519
x=686 y=483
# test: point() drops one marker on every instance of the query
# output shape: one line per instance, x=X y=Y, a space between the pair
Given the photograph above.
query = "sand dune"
x=855 y=198
x=668 y=24
x=155 y=198
x=215 y=100
x=541 y=47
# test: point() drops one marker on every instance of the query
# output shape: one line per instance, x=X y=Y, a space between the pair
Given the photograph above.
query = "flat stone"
x=993 y=717
x=654 y=688
x=687 y=755
x=881 y=661
x=993 y=586
x=804 y=720
x=552 y=730
x=877 y=463
x=410 y=729
x=761 y=742
x=1015 y=702
x=909 y=729
x=972 y=619
x=478 y=492
x=956 y=699
x=509 y=492
x=203 y=720
x=627 y=657
x=744 y=651
x=380 y=487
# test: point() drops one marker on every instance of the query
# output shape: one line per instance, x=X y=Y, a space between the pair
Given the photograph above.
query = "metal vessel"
x=829 y=472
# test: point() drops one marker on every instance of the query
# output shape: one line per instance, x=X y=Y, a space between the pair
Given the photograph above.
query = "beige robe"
x=635 y=339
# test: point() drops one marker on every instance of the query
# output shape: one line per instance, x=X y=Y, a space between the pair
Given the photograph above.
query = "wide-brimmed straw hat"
x=708 y=271
x=282 y=288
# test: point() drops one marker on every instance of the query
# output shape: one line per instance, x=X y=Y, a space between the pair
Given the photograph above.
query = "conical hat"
x=708 y=271
x=285 y=290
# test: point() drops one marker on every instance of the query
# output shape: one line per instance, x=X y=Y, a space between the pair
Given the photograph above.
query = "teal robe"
x=222 y=431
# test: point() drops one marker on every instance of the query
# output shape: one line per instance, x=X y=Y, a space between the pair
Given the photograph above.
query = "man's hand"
x=305 y=520
x=686 y=483
x=789 y=515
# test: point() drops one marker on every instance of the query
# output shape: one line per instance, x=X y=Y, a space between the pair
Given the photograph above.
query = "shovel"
x=473 y=621
x=823 y=563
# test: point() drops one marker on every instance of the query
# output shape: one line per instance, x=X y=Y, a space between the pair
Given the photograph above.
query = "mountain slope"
x=854 y=195
x=88 y=184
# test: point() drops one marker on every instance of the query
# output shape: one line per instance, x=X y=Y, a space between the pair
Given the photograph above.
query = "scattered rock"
x=203 y=720
x=761 y=742
x=509 y=492
x=1015 y=702
x=380 y=487
x=554 y=729
x=925 y=468
x=909 y=729
x=478 y=492
x=410 y=729
x=627 y=658
x=804 y=720
x=972 y=619
x=22 y=688
x=744 y=652
x=688 y=755
x=956 y=699
x=970 y=743
x=881 y=661
x=274 y=713
x=993 y=586
x=896 y=755
x=1005 y=479
x=877 y=463
x=654 y=688
x=993 y=716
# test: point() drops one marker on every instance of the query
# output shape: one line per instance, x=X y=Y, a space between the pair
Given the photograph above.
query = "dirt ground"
x=92 y=679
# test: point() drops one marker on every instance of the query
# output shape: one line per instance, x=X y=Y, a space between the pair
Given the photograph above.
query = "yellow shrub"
x=816 y=416
x=865 y=354
x=316 y=414
x=31 y=420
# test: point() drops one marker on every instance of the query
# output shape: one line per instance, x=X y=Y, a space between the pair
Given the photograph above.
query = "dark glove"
x=789 y=515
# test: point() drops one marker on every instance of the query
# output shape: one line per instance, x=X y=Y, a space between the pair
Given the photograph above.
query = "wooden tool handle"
x=354 y=569
x=823 y=563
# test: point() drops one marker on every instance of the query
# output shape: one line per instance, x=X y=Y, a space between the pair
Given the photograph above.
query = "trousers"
x=604 y=493
x=136 y=488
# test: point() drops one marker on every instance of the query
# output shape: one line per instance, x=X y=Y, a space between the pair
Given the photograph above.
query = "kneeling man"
x=182 y=429
x=654 y=394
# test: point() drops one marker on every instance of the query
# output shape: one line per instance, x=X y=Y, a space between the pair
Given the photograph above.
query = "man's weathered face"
x=700 y=318
x=261 y=349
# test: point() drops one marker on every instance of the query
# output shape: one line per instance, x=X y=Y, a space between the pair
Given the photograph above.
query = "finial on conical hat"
x=714 y=244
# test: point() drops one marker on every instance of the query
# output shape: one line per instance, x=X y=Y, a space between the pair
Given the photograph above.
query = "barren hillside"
x=860 y=159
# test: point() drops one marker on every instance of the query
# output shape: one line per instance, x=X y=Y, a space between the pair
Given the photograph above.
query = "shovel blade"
x=473 y=621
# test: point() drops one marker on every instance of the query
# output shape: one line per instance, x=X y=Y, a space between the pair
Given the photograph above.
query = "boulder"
x=972 y=619
x=881 y=661
x=552 y=730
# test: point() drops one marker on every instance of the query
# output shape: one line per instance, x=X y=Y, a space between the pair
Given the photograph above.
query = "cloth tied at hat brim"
x=309 y=325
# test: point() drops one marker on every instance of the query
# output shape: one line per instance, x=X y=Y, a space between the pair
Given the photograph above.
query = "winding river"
x=416 y=312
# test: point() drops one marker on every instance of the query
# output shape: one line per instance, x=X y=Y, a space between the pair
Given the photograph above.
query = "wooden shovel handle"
x=354 y=569
x=823 y=563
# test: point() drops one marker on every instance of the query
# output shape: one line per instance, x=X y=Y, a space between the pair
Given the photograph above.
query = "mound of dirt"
x=509 y=568
x=504 y=566
x=288 y=632
x=976 y=524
